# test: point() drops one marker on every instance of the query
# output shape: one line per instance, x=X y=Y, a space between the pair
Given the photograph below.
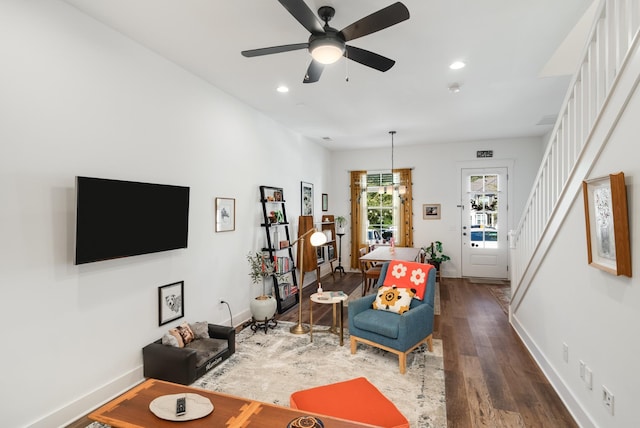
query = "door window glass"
x=483 y=210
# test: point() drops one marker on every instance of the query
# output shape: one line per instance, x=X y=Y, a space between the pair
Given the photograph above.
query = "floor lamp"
x=316 y=239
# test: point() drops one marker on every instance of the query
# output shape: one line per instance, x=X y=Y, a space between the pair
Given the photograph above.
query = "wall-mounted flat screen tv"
x=117 y=218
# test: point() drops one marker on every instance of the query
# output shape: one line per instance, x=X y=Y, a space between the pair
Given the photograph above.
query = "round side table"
x=333 y=298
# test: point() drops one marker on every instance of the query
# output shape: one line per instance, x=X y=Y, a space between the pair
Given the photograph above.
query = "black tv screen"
x=117 y=218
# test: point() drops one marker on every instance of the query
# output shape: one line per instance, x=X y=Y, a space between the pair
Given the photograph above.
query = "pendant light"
x=400 y=188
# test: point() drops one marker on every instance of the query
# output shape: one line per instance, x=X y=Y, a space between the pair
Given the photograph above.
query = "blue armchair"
x=399 y=334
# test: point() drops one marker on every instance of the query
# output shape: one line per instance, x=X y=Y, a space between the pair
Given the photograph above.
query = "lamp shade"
x=317 y=239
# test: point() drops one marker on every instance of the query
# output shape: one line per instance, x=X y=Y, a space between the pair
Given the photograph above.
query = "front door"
x=484 y=222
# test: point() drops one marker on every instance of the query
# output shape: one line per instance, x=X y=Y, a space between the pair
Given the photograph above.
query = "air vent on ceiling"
x=549 y=119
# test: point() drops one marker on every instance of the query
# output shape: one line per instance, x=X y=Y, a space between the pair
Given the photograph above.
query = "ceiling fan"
x=327 y=45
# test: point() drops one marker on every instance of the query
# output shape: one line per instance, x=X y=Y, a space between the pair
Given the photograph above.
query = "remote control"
x=181 y=406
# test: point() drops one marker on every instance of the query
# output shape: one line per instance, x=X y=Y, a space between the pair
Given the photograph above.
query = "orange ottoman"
x=355 y=400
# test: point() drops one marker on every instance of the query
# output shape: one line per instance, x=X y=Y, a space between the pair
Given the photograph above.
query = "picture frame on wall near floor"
x=170 y=302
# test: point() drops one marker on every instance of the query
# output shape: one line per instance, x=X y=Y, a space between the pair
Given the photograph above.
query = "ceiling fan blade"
x=313 y=72
x=368 y=58
x=274 y=49
x=301 y=12
x=377 y=21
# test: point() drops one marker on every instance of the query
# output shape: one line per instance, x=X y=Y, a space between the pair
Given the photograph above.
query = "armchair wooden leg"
x=403 y=362
x=430 y=342
x=354 y=345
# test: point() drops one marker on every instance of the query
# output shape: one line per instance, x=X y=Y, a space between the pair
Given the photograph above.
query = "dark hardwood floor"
x=490 y=378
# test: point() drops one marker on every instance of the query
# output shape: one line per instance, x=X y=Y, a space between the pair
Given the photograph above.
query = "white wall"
x=80 y=99
x=435 y=180
x=596 y=314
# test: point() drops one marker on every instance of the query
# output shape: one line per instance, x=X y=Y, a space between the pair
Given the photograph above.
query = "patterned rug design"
x=502 y=293
x=269 y=367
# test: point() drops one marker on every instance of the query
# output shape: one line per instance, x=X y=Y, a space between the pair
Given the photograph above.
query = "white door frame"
x=486 y=163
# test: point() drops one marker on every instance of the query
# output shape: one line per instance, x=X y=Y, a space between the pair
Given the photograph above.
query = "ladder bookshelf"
x=278 y=239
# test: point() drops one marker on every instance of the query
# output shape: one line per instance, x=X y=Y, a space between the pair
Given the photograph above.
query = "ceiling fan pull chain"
x=346 y=66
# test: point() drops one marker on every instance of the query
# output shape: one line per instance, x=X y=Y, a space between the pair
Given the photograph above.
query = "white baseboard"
x=579 y=414
x=90 y=401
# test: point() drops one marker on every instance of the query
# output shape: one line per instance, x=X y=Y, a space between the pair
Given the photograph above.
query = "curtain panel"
x=405 y=220
x=358 y=215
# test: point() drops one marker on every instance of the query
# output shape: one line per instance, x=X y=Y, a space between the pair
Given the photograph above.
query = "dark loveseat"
x=185 y=365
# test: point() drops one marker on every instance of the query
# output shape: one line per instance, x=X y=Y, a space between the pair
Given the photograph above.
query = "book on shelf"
x=283 y=264
x=331 y=252
x=286 y=289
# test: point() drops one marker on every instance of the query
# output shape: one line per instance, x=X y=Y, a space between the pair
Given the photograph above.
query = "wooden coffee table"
x=131 y=410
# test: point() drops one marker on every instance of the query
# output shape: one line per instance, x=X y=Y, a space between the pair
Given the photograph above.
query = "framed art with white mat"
x=225 y=214
x=607 y=222
x=170 y=302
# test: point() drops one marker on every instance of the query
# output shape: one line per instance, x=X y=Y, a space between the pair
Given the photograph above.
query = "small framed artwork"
x=607 y=221
x=306 y=198
x=325 y=202
x=225 y=214
x=170 y=302
x=431 y=211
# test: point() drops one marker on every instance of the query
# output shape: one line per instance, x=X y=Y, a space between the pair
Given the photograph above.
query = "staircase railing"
x=614 y=35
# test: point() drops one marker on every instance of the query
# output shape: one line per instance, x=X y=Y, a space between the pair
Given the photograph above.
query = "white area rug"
x=269 y=367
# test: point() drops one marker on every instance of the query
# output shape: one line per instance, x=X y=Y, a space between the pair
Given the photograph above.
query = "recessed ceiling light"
x=457 y=65
x=454 y=88
x=282 y=89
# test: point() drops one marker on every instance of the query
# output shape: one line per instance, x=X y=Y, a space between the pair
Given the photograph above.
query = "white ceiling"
x=505 y=43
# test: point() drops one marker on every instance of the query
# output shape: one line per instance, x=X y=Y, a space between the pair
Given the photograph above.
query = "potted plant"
x=340 y=221
x=434 y=254
x=263 y=307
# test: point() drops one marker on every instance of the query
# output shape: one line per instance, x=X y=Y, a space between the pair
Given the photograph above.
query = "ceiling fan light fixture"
x=326 y=50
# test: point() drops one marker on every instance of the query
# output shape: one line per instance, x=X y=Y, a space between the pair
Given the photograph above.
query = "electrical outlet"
x=607 y=399
x=565 y=352
x=582 y=367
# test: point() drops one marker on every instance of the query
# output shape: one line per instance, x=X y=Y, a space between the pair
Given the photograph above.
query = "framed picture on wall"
x=225 y=214
x=306 y=198
x=170 y=302
x=431 y=211
x=607 y=221
x=325 y=202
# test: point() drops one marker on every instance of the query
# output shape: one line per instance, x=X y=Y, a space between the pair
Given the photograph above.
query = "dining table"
x=370 y=269
x=386 y=253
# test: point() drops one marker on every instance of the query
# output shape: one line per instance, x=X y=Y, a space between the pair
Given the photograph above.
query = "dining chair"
x=370 y=272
